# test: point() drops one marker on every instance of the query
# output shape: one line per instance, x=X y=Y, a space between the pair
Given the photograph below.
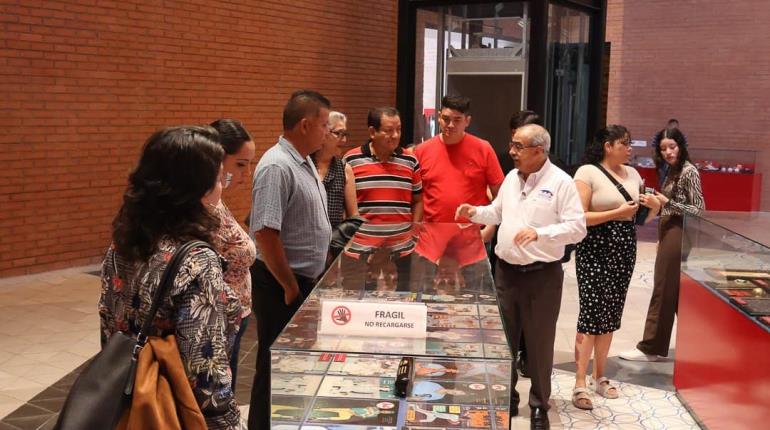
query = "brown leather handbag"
x=163 y=398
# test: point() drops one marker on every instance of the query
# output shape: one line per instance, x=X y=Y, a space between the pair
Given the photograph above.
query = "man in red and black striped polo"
x=388 y=181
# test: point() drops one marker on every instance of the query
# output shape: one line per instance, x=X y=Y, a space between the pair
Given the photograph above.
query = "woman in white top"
x=605 y=259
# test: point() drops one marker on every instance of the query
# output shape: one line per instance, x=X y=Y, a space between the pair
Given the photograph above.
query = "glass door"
x=567 y=86
x=476 y=50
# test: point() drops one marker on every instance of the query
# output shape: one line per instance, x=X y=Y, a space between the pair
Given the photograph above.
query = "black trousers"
x=272 y=315
x=522 y=351
x=530 y=302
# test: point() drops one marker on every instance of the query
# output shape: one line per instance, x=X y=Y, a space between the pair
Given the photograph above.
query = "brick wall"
x=84 y=82
x=704 y=62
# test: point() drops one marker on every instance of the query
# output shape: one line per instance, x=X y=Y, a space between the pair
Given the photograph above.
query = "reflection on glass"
x=441 y=264
x=452 y=257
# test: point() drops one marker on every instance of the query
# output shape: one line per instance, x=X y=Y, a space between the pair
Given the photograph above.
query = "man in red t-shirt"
x=456 y=166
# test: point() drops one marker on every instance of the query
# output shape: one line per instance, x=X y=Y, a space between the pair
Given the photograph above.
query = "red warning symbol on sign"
x=341 y=315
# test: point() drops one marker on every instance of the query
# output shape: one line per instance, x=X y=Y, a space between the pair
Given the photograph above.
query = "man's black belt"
x=531 y=267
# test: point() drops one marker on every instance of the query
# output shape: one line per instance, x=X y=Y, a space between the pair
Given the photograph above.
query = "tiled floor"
x=638 y=408
x=49 y=326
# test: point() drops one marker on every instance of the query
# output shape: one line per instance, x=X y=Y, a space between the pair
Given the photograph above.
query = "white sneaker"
x=636 y=355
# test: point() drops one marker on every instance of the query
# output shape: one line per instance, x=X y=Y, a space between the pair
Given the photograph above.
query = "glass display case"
x=456 y=374
x=730 y=258
x=723 y=328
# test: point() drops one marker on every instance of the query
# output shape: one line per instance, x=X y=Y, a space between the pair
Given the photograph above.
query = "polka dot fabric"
x=604 y=262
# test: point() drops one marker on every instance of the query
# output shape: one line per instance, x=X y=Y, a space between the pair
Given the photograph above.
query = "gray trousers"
x=530 y=299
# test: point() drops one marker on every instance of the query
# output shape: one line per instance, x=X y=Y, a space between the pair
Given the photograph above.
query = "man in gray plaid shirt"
x=291 y=228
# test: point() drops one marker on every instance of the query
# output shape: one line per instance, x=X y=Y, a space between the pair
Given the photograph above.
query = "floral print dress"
x=200 y=309
x=232 y=241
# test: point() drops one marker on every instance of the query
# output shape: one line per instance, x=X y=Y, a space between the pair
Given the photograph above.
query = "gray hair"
x=335 y=117
x=538 y=136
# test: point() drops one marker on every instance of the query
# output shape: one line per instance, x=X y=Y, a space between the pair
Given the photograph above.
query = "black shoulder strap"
x=621 y=189
x=166 y=281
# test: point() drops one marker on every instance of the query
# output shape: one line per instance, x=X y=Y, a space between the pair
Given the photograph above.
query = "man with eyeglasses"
x=457 y=167
x=388 y=179
x=539 y=212
x=517 y=120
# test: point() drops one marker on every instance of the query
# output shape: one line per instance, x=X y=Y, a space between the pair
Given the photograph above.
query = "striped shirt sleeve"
x=689 y=196
x=416 y=177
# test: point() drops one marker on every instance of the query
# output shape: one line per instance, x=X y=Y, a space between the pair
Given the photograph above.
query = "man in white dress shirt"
x=539 y=212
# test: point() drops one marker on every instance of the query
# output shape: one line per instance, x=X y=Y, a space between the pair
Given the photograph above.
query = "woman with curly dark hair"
x=605 y=259
x=167 y=203
x=680 y=193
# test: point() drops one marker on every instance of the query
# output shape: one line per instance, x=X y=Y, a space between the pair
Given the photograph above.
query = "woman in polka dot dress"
x=605 y=258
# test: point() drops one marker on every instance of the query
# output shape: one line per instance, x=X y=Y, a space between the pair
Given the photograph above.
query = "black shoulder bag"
x=103 y=391
x=642 y=212
x=342 y=234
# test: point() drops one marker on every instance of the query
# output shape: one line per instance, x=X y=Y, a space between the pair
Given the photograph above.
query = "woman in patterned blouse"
x=680 y=193
x=231 y=240
x=336 y=176
x=165 y=205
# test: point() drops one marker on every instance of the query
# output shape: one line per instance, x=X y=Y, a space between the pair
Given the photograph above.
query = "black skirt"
x=604 y=262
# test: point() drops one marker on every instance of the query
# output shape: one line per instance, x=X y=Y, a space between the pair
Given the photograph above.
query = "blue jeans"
x=236 y=350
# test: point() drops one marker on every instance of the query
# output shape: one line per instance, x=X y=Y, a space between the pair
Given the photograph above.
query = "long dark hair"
x=677 y=136
x=178 y=166
x=232 y=134
x=595 y=150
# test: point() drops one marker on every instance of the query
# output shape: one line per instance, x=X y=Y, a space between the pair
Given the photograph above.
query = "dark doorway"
x=493 y=99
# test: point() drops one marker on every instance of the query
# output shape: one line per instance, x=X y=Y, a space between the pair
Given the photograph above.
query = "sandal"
x=581 y=399
x=602 y=386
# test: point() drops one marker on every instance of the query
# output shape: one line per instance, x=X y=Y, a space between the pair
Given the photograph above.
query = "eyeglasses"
x=518 y=147
x=624 y=142
x=226 y=179
x=340 y=134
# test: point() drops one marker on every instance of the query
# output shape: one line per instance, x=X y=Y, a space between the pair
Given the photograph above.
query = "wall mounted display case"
x=459 y=372
x=722 y=362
